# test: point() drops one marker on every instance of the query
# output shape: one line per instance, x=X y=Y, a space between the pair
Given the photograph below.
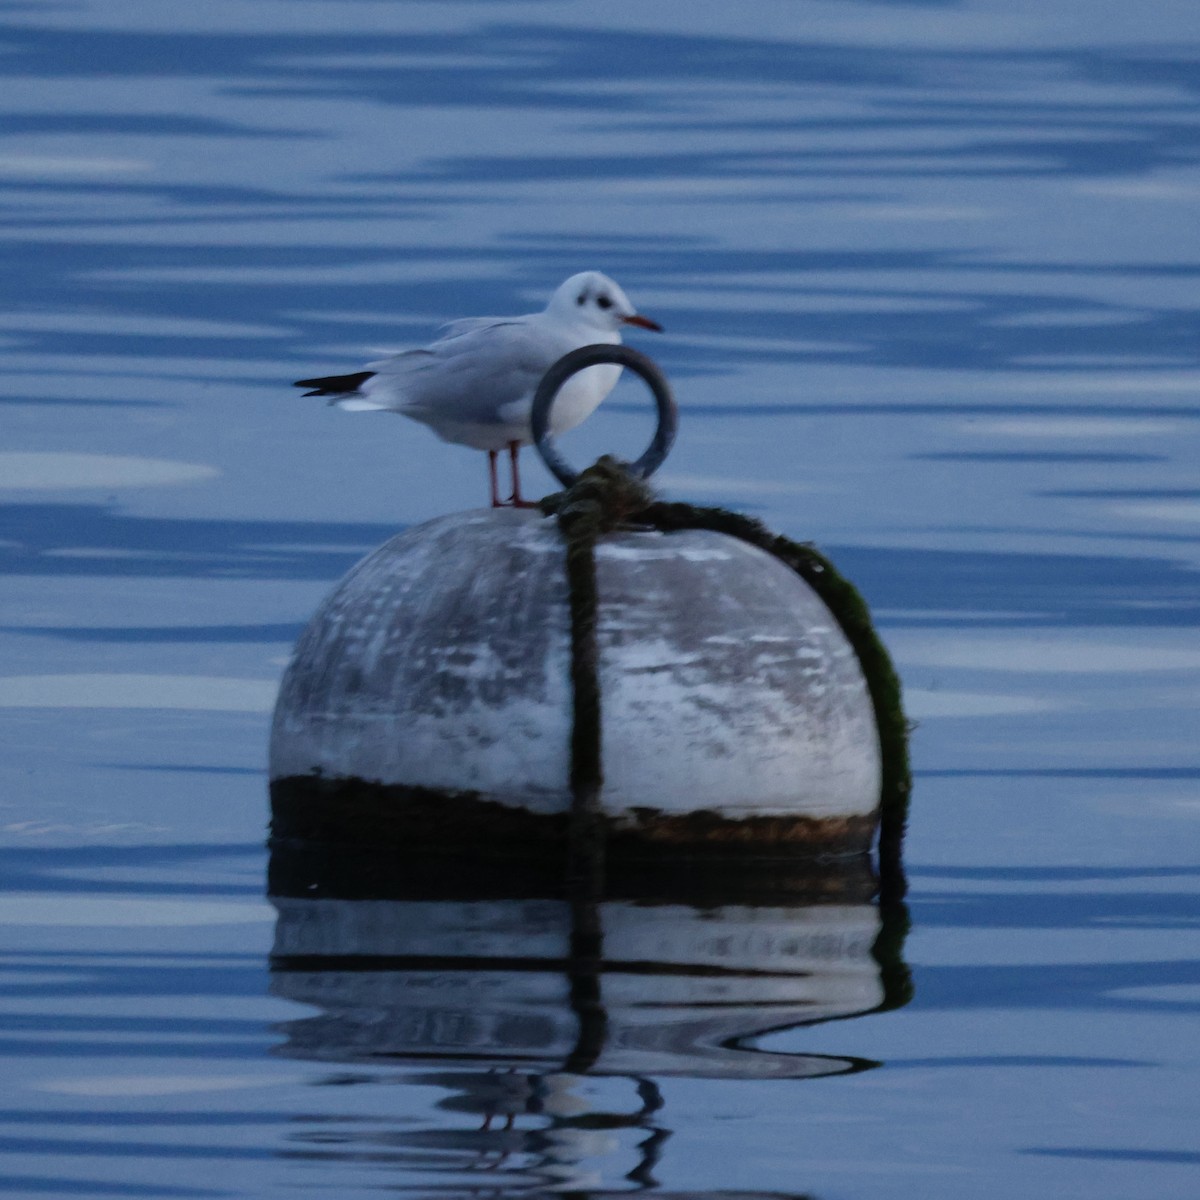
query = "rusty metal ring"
x=590 y=356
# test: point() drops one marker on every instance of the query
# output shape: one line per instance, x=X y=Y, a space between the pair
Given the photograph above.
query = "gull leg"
x=514 y=449
x=496 y=501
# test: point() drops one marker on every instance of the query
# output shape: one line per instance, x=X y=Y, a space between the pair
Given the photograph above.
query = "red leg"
x=496 y=501
x=514 y=449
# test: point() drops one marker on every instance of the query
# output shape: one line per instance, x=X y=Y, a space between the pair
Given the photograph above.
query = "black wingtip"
x=334 y=385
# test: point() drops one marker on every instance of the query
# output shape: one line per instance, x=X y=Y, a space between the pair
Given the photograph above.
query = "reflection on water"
x=522 y=997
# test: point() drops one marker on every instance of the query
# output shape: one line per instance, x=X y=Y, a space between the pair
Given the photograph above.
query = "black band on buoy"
x=590 y=356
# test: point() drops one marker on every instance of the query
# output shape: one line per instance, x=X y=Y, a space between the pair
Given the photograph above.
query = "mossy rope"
x=611 y=495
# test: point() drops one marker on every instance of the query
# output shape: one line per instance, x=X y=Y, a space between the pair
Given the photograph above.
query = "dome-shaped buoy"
x=434 y=697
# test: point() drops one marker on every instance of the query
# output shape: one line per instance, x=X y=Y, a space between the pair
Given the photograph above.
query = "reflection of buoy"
x=495 y=979
x=684 y=989
x=511 y=992
x=435 y=698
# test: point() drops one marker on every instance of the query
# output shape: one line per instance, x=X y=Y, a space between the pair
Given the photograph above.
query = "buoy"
x=435 y=698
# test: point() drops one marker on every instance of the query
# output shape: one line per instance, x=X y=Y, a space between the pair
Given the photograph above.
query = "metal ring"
x=589 y=356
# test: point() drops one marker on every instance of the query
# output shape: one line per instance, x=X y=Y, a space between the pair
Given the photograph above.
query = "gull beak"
x=642 y=322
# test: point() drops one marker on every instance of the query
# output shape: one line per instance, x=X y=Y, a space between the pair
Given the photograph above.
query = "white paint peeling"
x=644 y=549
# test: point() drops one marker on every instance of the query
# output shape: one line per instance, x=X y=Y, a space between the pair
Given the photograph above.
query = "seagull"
x=475 y=384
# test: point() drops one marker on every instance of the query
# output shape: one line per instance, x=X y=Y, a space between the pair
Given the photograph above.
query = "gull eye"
x=603 y=302
x=582 y=298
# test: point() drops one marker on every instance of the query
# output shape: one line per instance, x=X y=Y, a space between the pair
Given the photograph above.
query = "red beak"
x=642 y=322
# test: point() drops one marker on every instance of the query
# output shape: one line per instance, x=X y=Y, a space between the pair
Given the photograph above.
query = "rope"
x=603 y=498
x=606 y=497
x=600 y=500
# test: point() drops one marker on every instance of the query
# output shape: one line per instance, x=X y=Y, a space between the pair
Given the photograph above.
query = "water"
x=928 y=273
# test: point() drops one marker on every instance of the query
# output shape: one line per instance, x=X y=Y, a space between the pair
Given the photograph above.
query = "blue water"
x=928 y=273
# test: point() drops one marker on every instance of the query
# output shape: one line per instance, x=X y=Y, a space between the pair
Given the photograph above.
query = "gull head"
x=595 y=301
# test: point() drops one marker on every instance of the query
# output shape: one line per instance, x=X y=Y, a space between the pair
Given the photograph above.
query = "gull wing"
x=470 y=375
x=453 y=329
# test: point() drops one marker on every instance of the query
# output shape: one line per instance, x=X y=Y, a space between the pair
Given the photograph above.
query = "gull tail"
x=335 y=385
x=353 y=404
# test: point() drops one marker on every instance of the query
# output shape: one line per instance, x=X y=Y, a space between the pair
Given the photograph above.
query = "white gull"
x=475 y=384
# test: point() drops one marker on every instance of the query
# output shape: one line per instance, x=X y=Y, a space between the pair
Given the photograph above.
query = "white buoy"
x=440 y=667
